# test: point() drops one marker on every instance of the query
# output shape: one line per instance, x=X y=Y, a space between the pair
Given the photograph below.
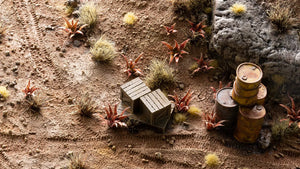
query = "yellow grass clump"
x=130 y=18
x=195 y=111
x=88 y=14
x=238 y=9
x=212 y=160
x=103 y=50
x=179 y=118
x=4 y=93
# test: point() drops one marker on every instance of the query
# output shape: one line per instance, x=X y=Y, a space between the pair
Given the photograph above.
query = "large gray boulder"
x=252 y=37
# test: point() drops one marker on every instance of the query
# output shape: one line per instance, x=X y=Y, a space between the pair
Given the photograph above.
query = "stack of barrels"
x=244 y=103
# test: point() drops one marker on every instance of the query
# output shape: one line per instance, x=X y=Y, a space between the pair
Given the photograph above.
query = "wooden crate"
x=131 y=93
x=155 y=107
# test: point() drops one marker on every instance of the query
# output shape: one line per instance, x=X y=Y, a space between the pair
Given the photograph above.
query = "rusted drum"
x=249 y=123
x=249 y=76
x=244 y=93
x=262 y=94
x=226 y=108
x=244 y=101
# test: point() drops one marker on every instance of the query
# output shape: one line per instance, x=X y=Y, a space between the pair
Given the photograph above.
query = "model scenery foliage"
x=86 y=106
x=212 y=160
x=4 y=93
x=130 y=66
x=130 y=18
x=88 y=14
x=29 y=90
x=210 y=121
x=176 y=51
x=203 y=65
x=113 y=119
x=170 y=30
x=238 y=8
x=292 y=114
x=71 y=27
x=198 y=28
x=182 y=105
x=103 y=50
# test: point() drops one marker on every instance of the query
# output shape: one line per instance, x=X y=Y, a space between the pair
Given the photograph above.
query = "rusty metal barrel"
x=248 y=75
x=262 y=94
x=249 y=123
x=226 y=108
x=244 y=101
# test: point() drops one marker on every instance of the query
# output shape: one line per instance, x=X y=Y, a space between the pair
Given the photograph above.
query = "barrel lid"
x=256 y=112
x=262 y=91
x=249 y=72
x=224 y=97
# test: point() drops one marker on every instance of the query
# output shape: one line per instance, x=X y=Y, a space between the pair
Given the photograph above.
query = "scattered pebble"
x=7 y=53
x=145 y=161
x=158 y=155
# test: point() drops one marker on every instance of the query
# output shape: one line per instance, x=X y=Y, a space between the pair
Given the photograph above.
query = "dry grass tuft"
x=238 y=8
x=103 y=50
x=212 y=160
x=160 y=75
x=76 y=163
x=86 y=106
x=88 y=14
x=4 y=93
x=130 y=18
x=281 y=130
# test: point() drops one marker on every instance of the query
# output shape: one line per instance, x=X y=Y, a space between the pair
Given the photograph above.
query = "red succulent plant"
x=113 y=119
x=29 y=90
x=292 y=114
x=198 y=28
x=210 y=121
x=170 y=29
x=176 y=51
x=71 y=27
x=130 y=66
x=220 y=87
x=182 y=105
x=203 y=65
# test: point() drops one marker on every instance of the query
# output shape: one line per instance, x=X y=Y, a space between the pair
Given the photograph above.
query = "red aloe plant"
x=198 y=28
x=113 y=119
x=176 y=51
x=170 y=29
x=220 y=87
x=203 y=65
x=182 y=105
x=130 y=66
x=292 y=114
x=210 y=120
x=29 y=90
x=72 y=28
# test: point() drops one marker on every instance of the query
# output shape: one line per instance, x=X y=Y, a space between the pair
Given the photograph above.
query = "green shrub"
x=160 y=76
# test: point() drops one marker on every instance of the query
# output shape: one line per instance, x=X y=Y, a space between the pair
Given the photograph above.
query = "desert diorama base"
x=35 y=48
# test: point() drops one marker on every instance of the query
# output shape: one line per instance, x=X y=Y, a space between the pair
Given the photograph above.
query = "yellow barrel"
x=249 y=76
x=244 y=101
x=244 y=93
x=249 y=123
x=261 y=95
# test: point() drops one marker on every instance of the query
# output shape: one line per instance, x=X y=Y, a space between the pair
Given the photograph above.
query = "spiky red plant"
x=170 y=30
x=72 y=27
x=210 y=121
x=130 y=66
x=198 y=28
x=203 y=65
x=113 y=119
x=220 y=87
x=176 y=51
x=29 y=90
x=292 y=114
x=182 y=105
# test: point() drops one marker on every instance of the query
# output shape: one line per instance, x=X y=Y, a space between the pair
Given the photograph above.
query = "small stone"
x=158 y=155
x=70 y=101
x=77 y=43
x=57 y=48
x=129 y=146
x=7 y=53
x=181 y=18
x=145 y=161
x=64 y=50
x=110 y=144
x=30 y=153
x=281 y=155
x=113 y=148
x=37 y=150
x=181 y=86
x=17 y=63
x=4 y=146
x=69 y=154
x=277 y=156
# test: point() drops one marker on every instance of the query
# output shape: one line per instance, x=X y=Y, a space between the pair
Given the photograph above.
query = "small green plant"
x=212 y=160
x=182 y=105
x=86 y=106
x=198 y=28
x=130 y=66
x=282 y=130
x=76 y=162
x=71 y=27
x=238 y=8
x=179 y=118
x=4 y=93
x=194 y=111
x=210 y=121
x=170 y=30
x=88 y=14
x=113 y=119
x=160 y=75
x=203 y=65
x=281 y=15
x=292 y=114
x=103 y=50
x=176 y=51
x=130 y=18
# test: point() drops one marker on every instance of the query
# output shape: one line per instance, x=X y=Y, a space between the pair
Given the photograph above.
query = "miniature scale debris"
x=151 y=108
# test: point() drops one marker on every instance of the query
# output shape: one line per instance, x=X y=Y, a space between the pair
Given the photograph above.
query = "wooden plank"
x=132 y=91
x=141 y=92
x=149 y=105
x=132 y=85
x=155 y=101
x=162 y=102
x=146 y=105
x=129 y=83
x=152 y=102
x=164 y=99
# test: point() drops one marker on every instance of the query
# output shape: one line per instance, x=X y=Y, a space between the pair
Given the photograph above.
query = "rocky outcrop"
x=251 y=37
